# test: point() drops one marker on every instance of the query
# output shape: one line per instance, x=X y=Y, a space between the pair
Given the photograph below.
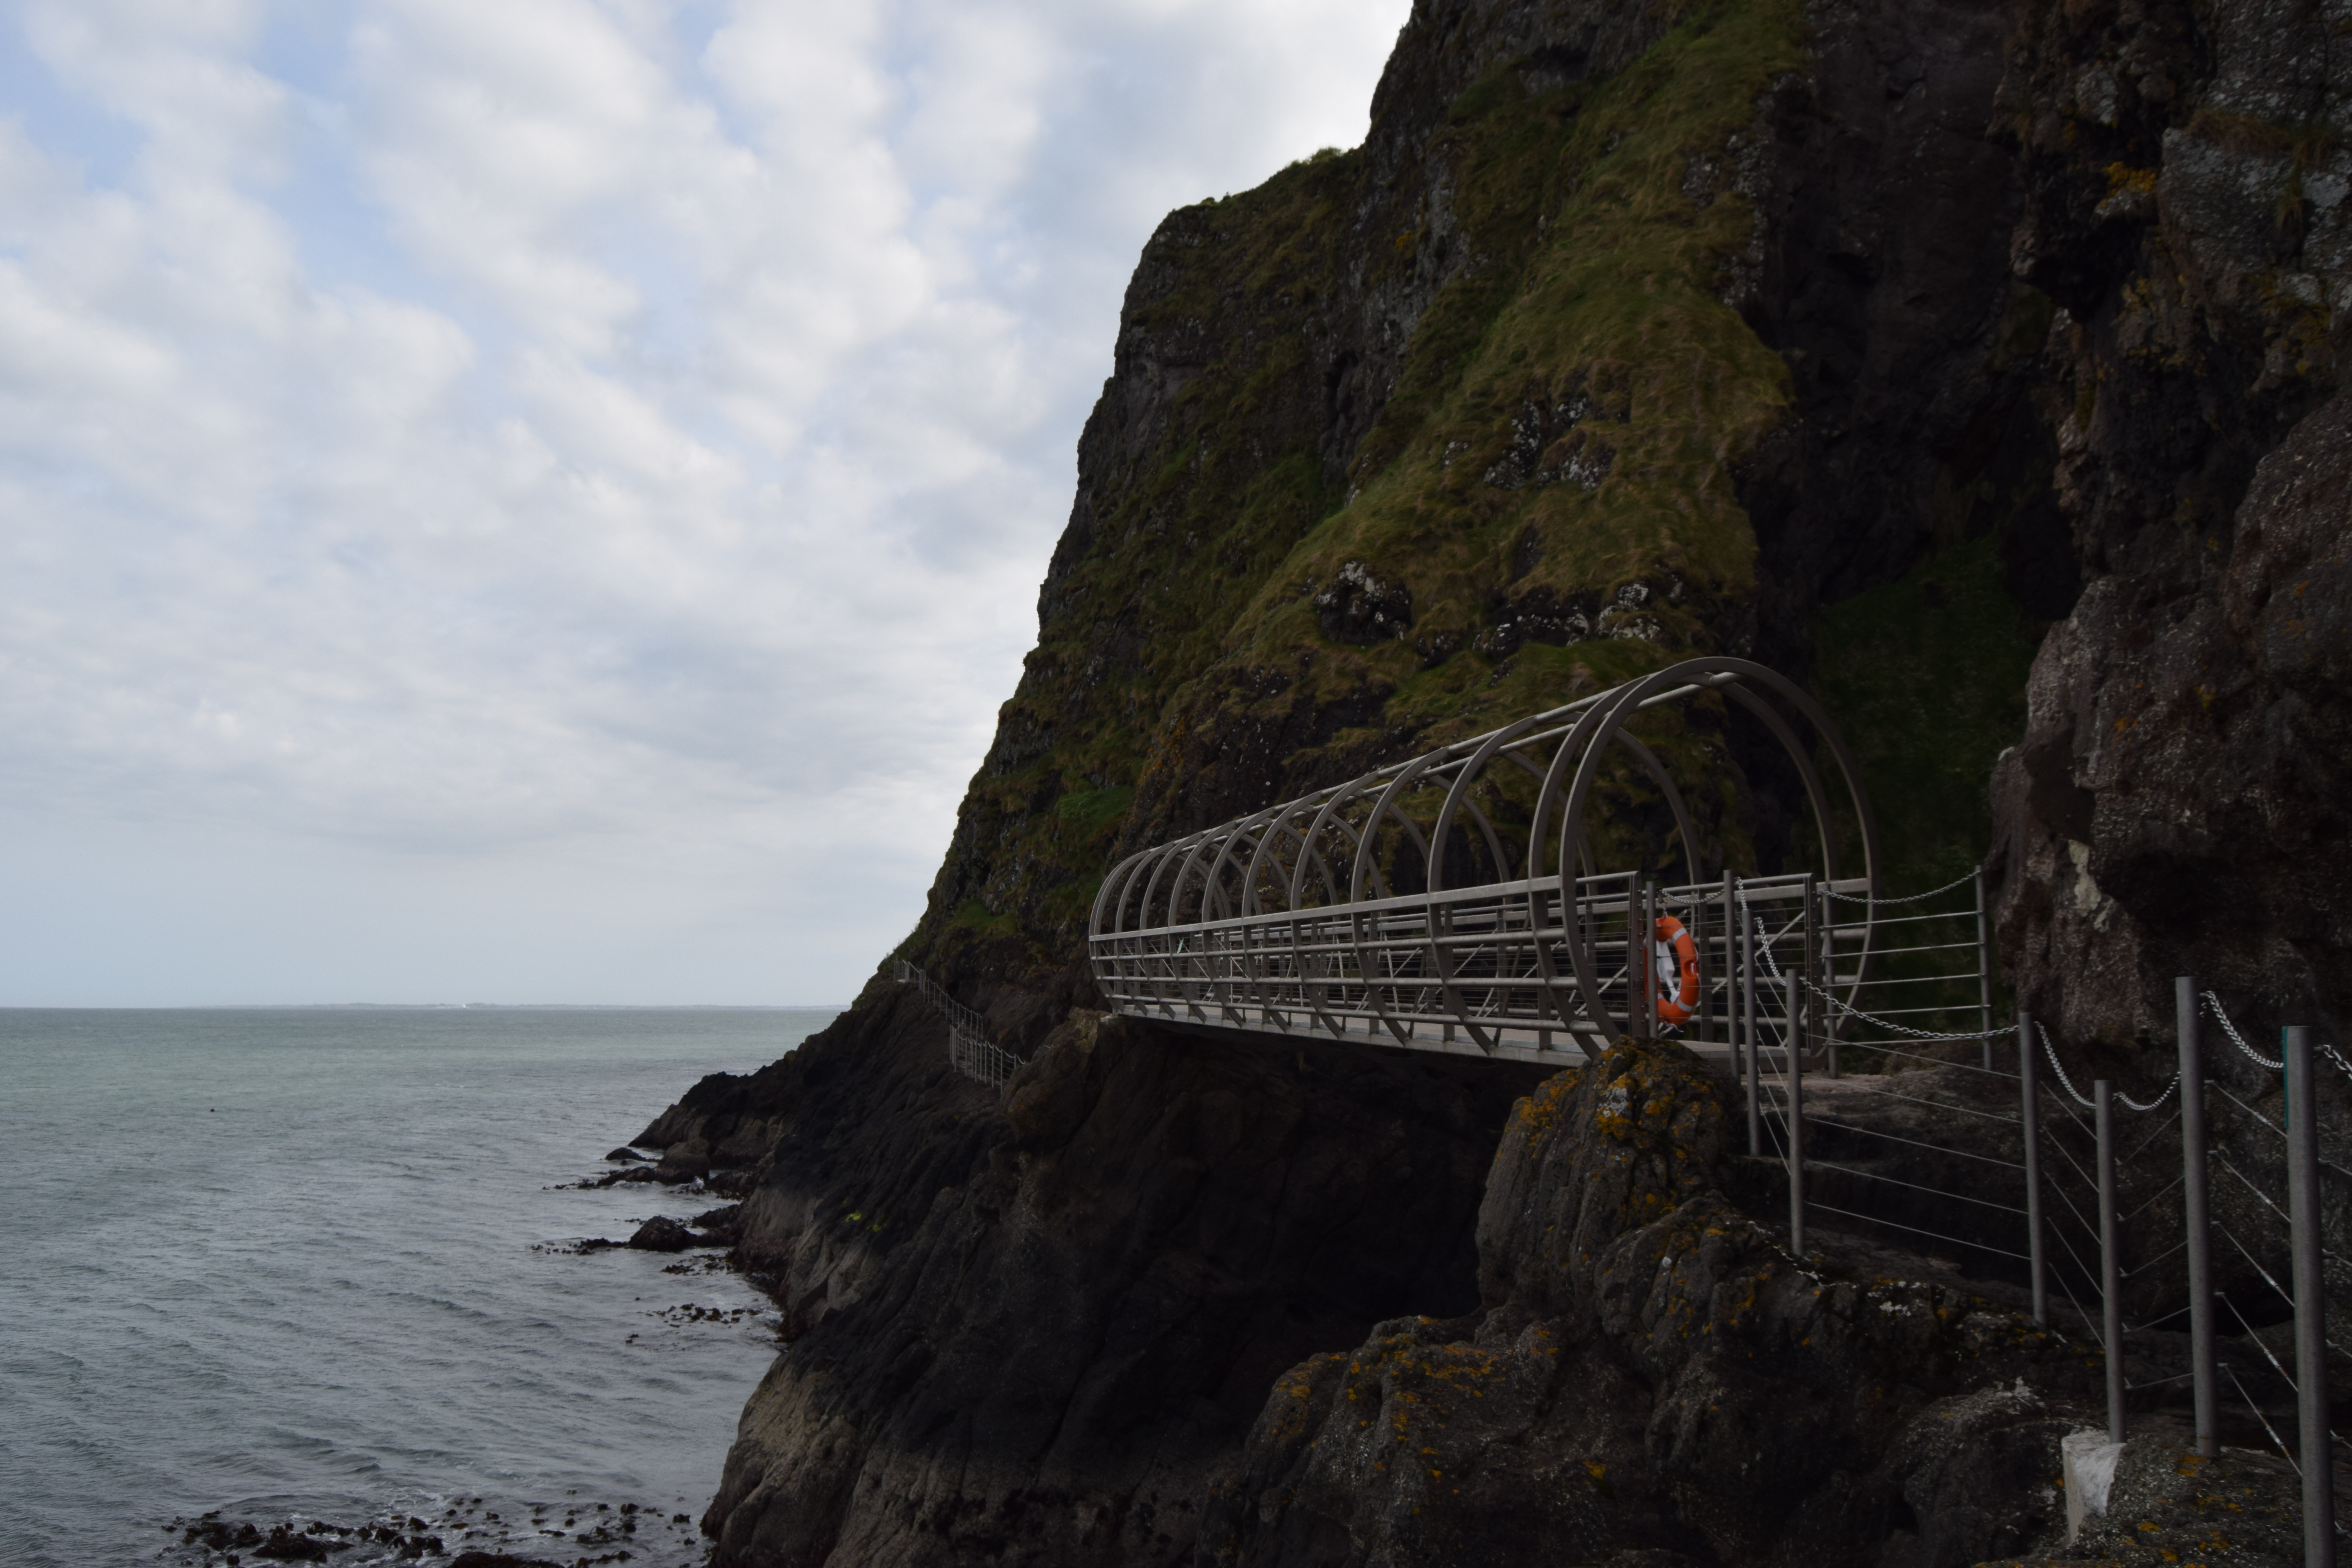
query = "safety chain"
x=1854 y=1012
x=2134 y=1105
x=1850 y=1011
x=1740 y=891
x=2129 y=1103
x=2054 y=1062
x=2213 y=1006
x=1907 y=899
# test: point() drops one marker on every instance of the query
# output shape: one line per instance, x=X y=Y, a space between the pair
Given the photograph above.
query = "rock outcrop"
x=1042 y=1343
x=1651 y=1371
x=2178 y=802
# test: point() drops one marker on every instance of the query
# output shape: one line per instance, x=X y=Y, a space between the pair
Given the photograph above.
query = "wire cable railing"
x=975 y=1056
x=2113 y=1219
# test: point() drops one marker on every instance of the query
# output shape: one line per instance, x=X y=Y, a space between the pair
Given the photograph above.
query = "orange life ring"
x=1675 y=956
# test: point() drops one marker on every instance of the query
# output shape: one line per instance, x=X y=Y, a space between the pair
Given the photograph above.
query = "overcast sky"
x=540 y=500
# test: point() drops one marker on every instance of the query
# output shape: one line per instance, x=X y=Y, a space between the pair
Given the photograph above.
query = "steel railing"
x=969 y=1048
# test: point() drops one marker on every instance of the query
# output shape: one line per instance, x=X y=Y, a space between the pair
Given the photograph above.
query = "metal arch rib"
x=1454 y=796
x=1306 y=987
x=1414 y=966
x=1367 y=863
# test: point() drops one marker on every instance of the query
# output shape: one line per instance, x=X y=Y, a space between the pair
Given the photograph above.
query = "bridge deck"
x=1289 y=922
x=1475 y=972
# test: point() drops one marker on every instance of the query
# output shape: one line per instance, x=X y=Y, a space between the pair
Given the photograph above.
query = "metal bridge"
x=1499 y=897
x=1463 y=901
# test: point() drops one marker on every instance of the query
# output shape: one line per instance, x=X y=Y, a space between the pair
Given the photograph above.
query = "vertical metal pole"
x=2194 y=1214
x=1703 y=1022
x=1827 y=978
x=1984 y=974
x=1730 y=991
x=1812 y=960
x=1748 y=1030
x=1796 y=1128
x=1652 y=906
x=2111 y=1283
x=2030 y=1115
x=2310 y=1304
x=1640 y=923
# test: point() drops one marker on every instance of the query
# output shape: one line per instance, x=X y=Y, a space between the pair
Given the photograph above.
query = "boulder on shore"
x=663 y=1233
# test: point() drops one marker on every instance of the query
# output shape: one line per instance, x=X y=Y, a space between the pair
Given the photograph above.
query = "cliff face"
x=1651 y=1373
x=2178 y=802
x=1037 y=1332
x=1974 y=362
x=1869 y=339
x=1632 y=330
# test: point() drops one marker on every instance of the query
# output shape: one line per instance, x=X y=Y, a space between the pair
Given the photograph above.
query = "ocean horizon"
x=319 y=1264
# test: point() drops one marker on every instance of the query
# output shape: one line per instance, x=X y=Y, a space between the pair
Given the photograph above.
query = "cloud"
x=604 y=448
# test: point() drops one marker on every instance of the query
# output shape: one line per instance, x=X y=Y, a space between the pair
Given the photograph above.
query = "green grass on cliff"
x=1603 y=220
x=1926 y=678
x=1595 y=225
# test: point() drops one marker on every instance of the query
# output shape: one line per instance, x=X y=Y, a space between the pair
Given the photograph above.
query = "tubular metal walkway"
x=1453 y=902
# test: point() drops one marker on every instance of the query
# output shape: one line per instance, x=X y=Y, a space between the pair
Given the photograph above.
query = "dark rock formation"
x=1651 y=1371
x=1045 y=1349
x=2169 y=1506
x=663 y=1233
x=2178 y=803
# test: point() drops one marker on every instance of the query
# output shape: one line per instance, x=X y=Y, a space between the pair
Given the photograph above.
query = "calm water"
x=310 y=1264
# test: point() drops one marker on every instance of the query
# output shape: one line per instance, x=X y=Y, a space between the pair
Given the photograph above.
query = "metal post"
x=1984 y=974
x=1827 y=978
x=1748 y=1030
x=1641 y=924
x=2310 y=1304
x=1730 y=991
x=1796 y=1127
x=2030 y=1108
x=2111 y=1283
x=1810 y=961
x=2194 y=1214
x=1702 y=1023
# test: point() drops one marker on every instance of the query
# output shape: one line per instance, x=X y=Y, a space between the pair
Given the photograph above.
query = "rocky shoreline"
x=1628 y=1367
x=464 y=1532
x=582 y=1531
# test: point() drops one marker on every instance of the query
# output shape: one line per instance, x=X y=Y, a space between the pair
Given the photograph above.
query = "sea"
x=316 y=1271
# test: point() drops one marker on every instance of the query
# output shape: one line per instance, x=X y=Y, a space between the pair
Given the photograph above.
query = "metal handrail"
x=1291 y=910
x=975 y=1056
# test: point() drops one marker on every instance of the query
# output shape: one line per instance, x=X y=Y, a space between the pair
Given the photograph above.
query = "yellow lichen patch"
x=1539 y=1112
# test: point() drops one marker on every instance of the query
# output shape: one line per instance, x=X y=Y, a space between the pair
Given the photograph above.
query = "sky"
x=540 y=501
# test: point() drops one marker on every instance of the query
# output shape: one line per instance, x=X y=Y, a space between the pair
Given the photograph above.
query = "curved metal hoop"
x=1341 y=904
